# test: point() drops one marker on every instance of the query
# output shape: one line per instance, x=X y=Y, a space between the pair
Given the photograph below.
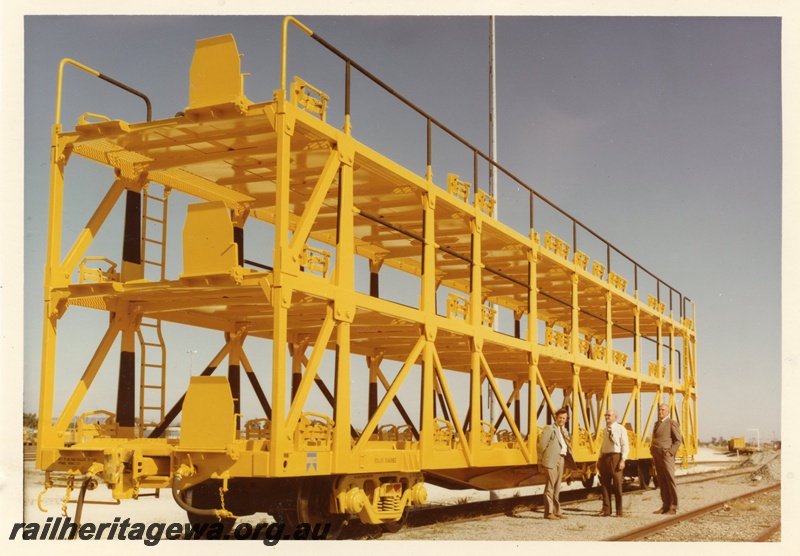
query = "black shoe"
x=603 y=514
x=660 y=511
x=671 y=512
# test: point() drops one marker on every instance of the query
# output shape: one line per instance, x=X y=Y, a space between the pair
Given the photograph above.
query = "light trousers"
x=552 y=488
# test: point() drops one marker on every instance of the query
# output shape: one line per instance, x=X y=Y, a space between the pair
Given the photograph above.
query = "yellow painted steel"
x=215 y=77
x=332 y=202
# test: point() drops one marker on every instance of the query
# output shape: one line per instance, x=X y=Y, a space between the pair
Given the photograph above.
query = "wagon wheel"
x=645 y=473
x=206 y=496
x=396 y=526
x=313 y=499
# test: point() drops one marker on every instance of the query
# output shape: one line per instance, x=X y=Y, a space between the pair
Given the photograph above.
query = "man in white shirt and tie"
x=613 y=453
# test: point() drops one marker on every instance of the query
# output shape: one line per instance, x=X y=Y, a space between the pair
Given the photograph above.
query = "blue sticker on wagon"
x=311 y=461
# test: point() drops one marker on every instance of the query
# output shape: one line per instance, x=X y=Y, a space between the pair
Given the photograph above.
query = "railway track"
x=486 y=509
x=651 y=529
x=524 y=508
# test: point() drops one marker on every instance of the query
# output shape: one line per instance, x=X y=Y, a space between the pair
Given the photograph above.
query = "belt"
x=610 y=454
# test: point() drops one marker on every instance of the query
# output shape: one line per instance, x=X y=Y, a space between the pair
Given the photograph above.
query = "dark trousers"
x=611 y=481
x=665 y=469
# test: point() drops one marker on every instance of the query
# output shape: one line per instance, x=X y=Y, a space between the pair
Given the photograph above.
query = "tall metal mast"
x=493 y=155
x=492 y=110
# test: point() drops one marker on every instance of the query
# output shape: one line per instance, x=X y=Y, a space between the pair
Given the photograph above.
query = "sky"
x=666 y=135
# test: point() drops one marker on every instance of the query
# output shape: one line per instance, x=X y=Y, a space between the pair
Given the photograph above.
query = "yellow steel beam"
x=499 y=395
x=85 y=382
x=653 y=408
x=199 y=187
x=344 y=304
x=427 y=423
x=465 y=447
x=604 y=405
x=94 y=224
x=582 y=398
x=320 y=346
x=533 y=433
x=388 y=397
x=303 y=227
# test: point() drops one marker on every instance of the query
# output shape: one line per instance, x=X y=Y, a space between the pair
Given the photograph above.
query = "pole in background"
x=493 y=155
x=191 y=353
x=492 y=110
x=492 y=186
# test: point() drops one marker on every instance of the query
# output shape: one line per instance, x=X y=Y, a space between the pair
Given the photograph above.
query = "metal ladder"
x=153 y=361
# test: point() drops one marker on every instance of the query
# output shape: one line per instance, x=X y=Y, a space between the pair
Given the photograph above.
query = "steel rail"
x=648 y=530
x=768 y=534
x=459 y=513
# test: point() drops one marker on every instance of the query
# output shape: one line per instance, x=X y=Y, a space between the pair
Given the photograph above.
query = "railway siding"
x=746 y=517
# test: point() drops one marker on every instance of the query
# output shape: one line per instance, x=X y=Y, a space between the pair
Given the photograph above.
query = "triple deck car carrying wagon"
x=341 y=222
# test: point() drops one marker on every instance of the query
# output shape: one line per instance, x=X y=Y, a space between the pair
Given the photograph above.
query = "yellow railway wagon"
x=736 y=443
x=334 y=215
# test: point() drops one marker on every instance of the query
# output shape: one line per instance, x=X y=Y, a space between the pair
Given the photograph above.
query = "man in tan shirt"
x=552 y=451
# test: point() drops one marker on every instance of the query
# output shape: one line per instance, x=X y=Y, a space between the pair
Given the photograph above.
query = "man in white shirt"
x=613 y=453
x=552 y=450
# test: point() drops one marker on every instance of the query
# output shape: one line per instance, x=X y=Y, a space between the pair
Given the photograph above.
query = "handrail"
x=286 y=21
x=350 y=63
x=96 y=73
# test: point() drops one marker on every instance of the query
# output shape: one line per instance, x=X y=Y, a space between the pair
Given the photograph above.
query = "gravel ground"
x=746 y=518
x=742 y=520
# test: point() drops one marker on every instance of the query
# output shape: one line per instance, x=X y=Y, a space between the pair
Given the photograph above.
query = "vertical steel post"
x=281 y=291
x=531 y=335
x=53 y=276
x=297 y=350
x=492 y=114
x=637 y=339
x=126 y=383
x=428 y=307
x=374 y=363
x=429 y=152
x=348 y=127
x=132 y=269
x=574 y=317
x=609 y=329
x=344 y=279
x=475 y=310
x=234 y=378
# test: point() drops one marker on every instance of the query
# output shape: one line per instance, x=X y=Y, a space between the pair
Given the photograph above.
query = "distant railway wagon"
x=375 y=312
x=737 y=443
